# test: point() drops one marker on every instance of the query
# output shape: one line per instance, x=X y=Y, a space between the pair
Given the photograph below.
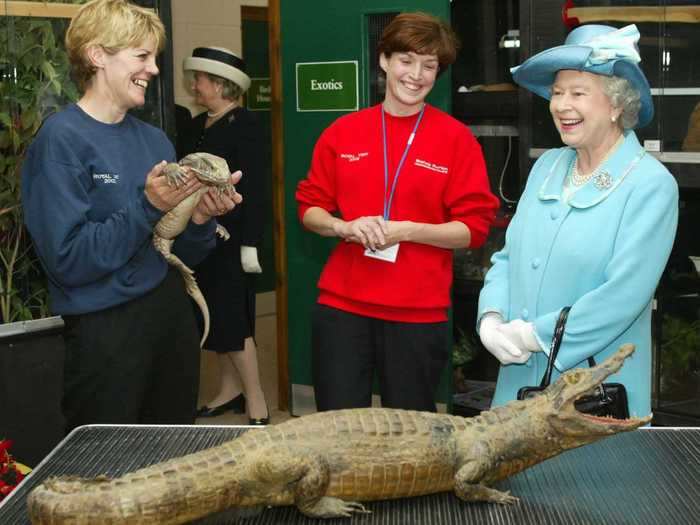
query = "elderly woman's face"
x=206 y=92
x=581 y=110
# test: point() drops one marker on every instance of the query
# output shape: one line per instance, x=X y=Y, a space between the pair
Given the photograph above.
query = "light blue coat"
x=603 y=254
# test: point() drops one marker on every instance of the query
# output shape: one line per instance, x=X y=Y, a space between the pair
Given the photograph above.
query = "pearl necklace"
x=579 y=179
x=222 y=111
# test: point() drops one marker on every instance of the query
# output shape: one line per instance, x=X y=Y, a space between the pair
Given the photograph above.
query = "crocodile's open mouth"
x=580 y=388
x=613 y=421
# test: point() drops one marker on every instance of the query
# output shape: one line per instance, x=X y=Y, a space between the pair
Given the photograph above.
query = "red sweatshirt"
x=443 y=179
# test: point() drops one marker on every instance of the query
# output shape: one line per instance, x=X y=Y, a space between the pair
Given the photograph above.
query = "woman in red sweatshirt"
x=402 y=184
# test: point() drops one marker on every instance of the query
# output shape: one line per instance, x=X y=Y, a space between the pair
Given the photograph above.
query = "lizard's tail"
x=196 y=294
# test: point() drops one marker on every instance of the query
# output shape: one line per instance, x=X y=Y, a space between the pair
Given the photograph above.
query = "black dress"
x=228 y=290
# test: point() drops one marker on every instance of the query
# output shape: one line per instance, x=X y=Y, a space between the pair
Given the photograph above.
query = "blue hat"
x=598 y=49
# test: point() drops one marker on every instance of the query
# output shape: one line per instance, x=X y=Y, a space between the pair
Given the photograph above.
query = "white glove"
x=498 y=343
x=521 y=334
x=249 y=259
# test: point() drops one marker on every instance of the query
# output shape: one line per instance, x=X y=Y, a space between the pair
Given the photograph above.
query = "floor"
x=265 y=328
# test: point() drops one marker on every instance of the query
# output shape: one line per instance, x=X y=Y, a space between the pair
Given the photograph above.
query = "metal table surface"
x=649 y=476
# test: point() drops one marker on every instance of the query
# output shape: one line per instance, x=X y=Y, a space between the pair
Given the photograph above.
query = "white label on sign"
x=652 y=145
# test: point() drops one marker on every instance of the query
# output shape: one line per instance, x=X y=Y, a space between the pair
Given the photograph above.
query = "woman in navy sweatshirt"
x=92 y=194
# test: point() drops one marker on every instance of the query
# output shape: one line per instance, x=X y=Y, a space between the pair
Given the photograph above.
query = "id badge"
x=387 y=254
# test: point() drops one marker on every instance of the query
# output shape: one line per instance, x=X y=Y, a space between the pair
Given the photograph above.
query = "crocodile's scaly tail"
x=174 y=492
x=156 y=501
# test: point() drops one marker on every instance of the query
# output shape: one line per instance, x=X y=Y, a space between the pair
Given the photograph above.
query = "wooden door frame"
x=278 y=206
x=271 y=15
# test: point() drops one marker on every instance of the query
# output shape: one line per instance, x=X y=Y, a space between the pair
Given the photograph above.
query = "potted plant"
x=34 y=82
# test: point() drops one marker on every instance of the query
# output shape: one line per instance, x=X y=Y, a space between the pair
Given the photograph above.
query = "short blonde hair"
x=112 y=24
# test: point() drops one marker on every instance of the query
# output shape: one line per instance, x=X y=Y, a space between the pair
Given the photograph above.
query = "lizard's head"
x=209 y=168
x=577 y=428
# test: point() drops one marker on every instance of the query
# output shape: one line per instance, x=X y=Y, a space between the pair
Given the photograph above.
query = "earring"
x=614 y=119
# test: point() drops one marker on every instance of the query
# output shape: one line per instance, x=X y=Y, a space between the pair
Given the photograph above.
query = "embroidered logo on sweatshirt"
x=430 y=166
x=354 y=157
x=106 y=178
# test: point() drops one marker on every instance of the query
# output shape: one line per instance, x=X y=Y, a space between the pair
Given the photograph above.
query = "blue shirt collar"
x=614 y=170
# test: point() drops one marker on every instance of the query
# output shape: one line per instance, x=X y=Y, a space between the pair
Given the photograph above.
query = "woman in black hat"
x=227 y=276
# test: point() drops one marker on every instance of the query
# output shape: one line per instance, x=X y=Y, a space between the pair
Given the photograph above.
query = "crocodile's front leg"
x=468 y=486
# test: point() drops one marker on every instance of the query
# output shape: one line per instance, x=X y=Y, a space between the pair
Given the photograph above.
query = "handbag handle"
x=556 y=343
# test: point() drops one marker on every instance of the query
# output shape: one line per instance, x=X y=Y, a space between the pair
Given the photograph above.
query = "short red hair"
x=420 y=33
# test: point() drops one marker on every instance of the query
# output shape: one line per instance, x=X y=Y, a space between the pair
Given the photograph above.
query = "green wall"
x=256 y=56
x=318 y=31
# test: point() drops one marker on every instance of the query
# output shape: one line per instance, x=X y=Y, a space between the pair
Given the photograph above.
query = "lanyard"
x=387 y=202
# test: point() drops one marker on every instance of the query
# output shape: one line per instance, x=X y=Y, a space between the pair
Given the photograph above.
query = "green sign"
x=327 y=86
x=259 y=94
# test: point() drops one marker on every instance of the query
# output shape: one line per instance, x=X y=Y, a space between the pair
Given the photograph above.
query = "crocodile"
x=211 y=171
x=328 y=462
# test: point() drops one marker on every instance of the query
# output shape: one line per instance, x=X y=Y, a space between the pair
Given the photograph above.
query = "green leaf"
x=29 y=118
x=15 y=139
x=48 y=70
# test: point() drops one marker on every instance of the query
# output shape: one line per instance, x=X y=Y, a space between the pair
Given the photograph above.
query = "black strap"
x=219 y=56
x=556 y=343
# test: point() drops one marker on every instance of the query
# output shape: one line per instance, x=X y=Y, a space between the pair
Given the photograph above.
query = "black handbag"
x=608 y=399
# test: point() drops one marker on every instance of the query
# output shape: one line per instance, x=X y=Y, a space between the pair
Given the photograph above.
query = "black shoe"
x=260 y=422
x=237 y=405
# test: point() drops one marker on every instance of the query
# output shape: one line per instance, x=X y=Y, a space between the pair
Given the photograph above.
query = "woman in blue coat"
x=594 y=227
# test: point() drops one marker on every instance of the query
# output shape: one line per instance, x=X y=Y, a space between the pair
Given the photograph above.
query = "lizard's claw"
x=175 y=175
x=356 y=507
x=328 y=507
x=228 y=189
x=505 y=498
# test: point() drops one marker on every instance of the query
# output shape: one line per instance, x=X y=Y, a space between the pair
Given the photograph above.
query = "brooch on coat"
x=602 y=181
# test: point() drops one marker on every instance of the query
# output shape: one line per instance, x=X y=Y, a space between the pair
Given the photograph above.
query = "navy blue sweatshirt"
x=84 y=206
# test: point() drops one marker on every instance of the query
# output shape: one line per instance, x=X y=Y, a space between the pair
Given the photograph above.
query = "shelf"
x=668 y=13
x=39 y=9
x=485 y=104
x=493 y=131
x=675 y=91
x=28 y=327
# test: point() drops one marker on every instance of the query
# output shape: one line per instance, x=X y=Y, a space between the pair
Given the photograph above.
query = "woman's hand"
x=396 y=232
x=498 y=343
x=249 y=259
x=214 y=203
x=521 y=334
x=165 y=196
x=369 y=231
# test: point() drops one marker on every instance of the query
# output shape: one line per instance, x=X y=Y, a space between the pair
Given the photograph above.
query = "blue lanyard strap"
x=387 y=202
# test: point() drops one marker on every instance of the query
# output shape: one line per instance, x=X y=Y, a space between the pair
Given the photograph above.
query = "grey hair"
x=623 y=96
x=229 y=89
